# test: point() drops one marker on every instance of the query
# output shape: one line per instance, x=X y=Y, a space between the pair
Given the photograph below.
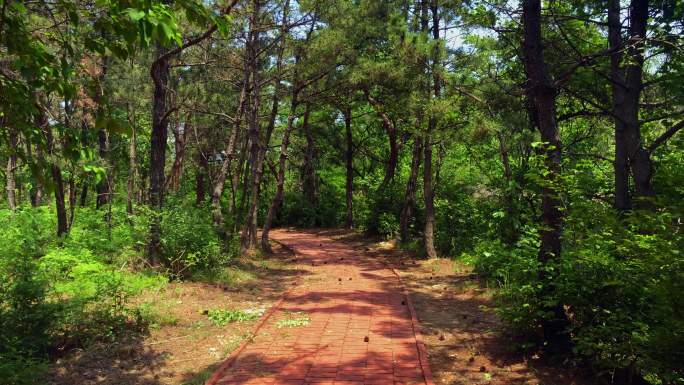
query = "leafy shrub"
x=620 y=282
x=388 y=225
x=189 y=241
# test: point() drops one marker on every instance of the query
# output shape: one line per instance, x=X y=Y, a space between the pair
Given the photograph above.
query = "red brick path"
x=360 y=328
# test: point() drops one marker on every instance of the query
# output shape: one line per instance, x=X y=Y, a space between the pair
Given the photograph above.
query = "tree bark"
x=428 y=232
x=201 y=178
x=55 y=172
x=391 y=131
x=132 y=165
x=627 y=84
x=509 y=233
x=84 y=183
x=410 y=195
x=620 y=165
x=349 y=160
x=249 y=229
x=10 y=171
x=180 y=145
x=36 y=192
x=542 y=94
x=160 y=75
x=72 y=201
x=220 y=182
x=310 y=182
x=103 y=187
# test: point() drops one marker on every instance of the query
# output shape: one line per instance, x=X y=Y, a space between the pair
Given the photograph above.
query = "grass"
x=222 y=317
x=293 y=320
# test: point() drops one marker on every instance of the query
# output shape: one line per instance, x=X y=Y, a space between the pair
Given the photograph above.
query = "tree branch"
x=665 y=136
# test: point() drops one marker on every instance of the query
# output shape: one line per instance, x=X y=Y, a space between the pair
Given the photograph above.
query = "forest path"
x=347 y=322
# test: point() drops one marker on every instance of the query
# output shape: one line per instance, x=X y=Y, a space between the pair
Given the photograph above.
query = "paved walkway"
x=347 y=323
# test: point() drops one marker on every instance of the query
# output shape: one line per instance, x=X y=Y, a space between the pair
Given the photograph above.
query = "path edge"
x=230 y=360
x=415 y=325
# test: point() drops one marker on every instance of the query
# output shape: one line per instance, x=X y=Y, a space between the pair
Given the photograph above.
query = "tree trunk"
x=9 y=172
x=280 y=179
x=160 y=75
x=180 y=145
x=84 y=183
x=201 y=178
x=36 y=192
x=391 y=131
x=627 y=85
x=310 y=182
x=349 y=159
x=542 y=94
x=72 y=200
x=219 y=185
x=103 y=187
x=84 y=194
x=428 y=232
x=56 y=173
x=639 y=158
x=509 y=233
x=132 y=165
x=410 y=195
x=249 y=229
x=621 y=164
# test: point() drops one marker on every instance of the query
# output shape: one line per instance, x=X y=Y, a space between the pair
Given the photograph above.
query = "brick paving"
x=347 y=323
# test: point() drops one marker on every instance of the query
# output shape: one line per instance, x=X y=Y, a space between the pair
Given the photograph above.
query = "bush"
x=60 y=294
x=621 y=283
x=388 y=225
x=190 y=243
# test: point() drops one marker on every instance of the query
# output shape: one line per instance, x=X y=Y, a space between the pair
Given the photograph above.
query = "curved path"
x=348 y=322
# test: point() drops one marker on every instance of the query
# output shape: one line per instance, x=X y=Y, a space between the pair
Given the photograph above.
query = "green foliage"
x=388 y=225
x=621 y=289
x=189 y=241
x=61 y=294
x=221 y=317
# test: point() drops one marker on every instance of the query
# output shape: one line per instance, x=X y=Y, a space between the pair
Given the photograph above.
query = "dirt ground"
x=184 y=347
x=466 y=341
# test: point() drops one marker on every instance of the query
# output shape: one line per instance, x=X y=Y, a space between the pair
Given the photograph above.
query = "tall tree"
x=542 y=93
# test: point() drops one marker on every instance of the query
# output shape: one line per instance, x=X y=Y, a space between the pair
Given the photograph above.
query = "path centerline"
x=348 y=322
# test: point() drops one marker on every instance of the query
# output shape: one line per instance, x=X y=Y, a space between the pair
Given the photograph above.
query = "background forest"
x=148 y=141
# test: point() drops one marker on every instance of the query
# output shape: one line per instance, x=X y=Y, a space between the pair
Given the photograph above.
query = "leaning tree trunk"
x=349 y=155
x=542 y=94
x=280 y=178
x=410 y=195
x=220 y=182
